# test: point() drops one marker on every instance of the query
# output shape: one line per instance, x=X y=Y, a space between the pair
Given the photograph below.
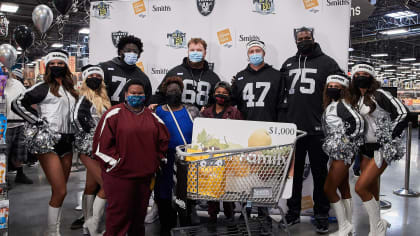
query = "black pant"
x=167 y=216
x=311 y=144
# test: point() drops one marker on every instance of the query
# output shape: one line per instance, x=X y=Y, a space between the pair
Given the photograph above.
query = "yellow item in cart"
x=206 y=178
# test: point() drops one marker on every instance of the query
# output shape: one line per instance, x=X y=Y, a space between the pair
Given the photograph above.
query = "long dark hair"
x=368 y=101
x=344 y=94
x=67 y=83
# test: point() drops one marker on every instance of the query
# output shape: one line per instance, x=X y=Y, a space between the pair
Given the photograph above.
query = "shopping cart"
x=253 y=176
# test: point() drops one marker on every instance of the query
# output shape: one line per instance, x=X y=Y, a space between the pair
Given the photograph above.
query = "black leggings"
x=167 y=216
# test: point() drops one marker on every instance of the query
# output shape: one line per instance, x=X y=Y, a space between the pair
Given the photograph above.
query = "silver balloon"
x=8 y=55
x=42 y=17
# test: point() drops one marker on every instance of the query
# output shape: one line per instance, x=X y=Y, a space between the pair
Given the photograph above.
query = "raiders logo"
x=116 y=36
x=264 y=7
x=205 y=7
x=177 y=39
x=101 y=10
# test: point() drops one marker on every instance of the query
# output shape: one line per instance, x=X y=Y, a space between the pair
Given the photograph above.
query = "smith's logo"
x=243 y=38
x=264 y=6
x=161 y=8
x=333 y=3
x=101 y=10
x=156 y=71
x=205 y=7
x=116 y=36
x=177 y=39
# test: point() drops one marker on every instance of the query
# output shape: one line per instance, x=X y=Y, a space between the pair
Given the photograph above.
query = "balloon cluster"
x=340 y=146
x=391 y=149
x=40 y=139
x=83 y=142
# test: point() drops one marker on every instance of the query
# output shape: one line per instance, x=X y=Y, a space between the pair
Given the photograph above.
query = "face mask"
x=221 y=99
x=130 y=58
x=305 y=46
x=94 y=82
x=195 y=56
x=135 y=100
x=174 y=98
x=334 y=93
x=362 y=81
x=256 y=59
x=58 y=71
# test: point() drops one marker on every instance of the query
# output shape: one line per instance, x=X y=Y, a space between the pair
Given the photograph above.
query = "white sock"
x=98 y=208
x=348 y=205
x=54 y=217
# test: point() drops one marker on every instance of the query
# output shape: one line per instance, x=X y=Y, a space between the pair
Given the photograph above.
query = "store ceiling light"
x=416 y=64
x=351 y=49
x=403 y=67
x=401 y=14
x=386 y=65
x=394 y=31
x=57 y=45
x=406 y=72
x=9 y=7
x=377 y=68
x=351 y=63
x=84 y=31
x=408 y=59
x=390 y=70
x=379 y=55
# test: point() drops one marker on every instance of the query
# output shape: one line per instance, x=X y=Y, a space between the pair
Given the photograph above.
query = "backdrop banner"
x=165 y=26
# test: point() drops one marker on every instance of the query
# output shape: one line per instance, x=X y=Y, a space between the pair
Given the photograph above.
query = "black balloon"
x=63 y=6
x=23 y=36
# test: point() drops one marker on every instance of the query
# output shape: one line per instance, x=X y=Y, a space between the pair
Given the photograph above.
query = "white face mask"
x=130 y=58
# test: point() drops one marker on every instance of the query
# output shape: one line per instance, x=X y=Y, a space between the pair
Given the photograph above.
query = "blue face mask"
x=195 y=56
x=130 y=58
x=135 y=100
x=256 y=59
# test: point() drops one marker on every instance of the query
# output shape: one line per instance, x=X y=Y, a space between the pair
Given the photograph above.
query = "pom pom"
x=40 y=139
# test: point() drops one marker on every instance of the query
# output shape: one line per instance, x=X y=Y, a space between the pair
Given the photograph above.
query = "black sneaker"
x=78 y=223
x=23 y=179
x=321 y=225
x=291 y=219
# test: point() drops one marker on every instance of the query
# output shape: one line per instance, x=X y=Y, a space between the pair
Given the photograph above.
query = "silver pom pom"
x=83 y=142
x=40 y=139
x=340 y=146
x=391 y=149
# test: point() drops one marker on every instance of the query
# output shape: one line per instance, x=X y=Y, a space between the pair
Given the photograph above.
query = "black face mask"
x=58 y=71
x=174 y=98
x=362 y=81
x=94 y=82
x=334 y=93
x=221 y=99
x=305 y=46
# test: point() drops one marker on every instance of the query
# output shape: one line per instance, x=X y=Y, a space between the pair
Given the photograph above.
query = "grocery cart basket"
x=253 y=176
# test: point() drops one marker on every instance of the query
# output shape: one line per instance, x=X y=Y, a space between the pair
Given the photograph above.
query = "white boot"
x=87 y=205
x=152 y=215
x=54 y=218
x=348 y=205
x=98 y=211
x=378 y=226
x=344 y=226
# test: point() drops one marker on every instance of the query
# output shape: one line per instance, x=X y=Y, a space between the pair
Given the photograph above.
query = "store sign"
x=361 y=10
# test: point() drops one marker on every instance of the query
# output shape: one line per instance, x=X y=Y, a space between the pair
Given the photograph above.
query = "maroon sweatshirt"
x=230 y=112
x=138 y=141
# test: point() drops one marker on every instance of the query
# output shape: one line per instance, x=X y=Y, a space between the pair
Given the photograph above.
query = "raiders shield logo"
x=116 y=37
x=177 y=39
x=101 y=10
x=264 y=7
x=205 y=7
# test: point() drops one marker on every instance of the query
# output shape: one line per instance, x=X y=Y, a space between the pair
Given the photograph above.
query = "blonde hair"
x=98 y=98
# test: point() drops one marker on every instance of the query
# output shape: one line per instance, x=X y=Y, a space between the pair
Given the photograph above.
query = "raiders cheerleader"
x=340 y=118
x=89 y=109
x=55 y=99
x=373 y=104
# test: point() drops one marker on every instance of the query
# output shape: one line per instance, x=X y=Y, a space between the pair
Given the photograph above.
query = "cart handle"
x=180 y=152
